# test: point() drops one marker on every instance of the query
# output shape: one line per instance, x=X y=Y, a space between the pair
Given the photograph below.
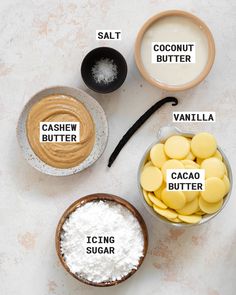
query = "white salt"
x=106 y=219
x=104 y=71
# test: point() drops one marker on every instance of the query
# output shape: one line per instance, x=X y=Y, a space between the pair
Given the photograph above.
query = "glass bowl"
x=162 y=135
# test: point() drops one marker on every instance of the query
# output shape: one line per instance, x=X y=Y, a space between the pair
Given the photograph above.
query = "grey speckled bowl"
x=99 y=119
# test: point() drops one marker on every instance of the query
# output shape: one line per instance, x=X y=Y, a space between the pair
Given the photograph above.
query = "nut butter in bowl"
x=62 y=131
x=60 y=108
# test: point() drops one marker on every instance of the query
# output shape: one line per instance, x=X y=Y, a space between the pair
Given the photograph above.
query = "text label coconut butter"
x=173 y=52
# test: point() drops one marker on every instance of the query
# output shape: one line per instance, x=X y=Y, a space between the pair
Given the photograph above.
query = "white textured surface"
x=42 y=43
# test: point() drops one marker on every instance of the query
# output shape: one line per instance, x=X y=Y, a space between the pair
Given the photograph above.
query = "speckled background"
x=42 y=43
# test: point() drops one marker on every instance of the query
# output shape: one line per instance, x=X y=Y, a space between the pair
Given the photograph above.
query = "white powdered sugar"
x=102 y=220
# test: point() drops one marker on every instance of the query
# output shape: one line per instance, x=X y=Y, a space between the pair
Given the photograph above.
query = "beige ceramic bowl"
x=211 y=51
x=98 y=197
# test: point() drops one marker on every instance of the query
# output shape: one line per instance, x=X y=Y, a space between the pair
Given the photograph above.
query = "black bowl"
x=90 y=60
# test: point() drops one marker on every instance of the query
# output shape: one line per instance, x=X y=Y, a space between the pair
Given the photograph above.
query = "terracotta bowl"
x=96 y=197
x=211 y=50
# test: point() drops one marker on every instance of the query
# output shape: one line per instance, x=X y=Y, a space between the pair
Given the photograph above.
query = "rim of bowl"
x=211 y=51
x=57 y=171
x=121 y=80
x=208 y=217
x=104 y=197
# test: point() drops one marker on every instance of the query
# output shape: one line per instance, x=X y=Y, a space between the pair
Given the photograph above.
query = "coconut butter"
x=174 y=50
x=48 y=112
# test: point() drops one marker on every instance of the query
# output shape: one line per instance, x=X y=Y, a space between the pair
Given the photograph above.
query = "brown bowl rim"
x=211 y=51
x=96 y=197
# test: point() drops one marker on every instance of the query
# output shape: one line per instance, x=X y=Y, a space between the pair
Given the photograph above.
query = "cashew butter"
x=61 y=108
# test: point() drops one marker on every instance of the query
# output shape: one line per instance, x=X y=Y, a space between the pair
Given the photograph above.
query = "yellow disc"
x=157 y=155
x=151 y=178
x=177 y=147
x=213 y=167
x=191 y=195
x=190 y=156
x=203 y=145
x=168 y=213
x=190 y=218
x=218 y=155
x=200 y=213
x=148 y=164
x=214 y=190
x=189 y=208
x=157 y=193
x=227 y=183
x=156 y=201
x=173 y=199
x=199 y=161
x=190 y=163
x=190 y=167
x=148 y=201
x=175 y=220
x=171 y=164
x=210 y=208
